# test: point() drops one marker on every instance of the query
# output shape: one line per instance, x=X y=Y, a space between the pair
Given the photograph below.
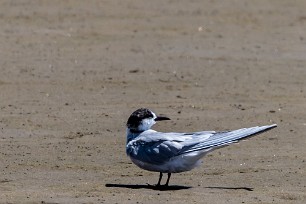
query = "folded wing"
x=157 y=148
x=220 y=139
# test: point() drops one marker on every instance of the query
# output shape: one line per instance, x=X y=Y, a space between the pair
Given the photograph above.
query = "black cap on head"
x=137 y=116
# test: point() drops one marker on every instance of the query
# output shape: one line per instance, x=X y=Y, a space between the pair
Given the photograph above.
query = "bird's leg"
x=169 y=175
x=160 y=178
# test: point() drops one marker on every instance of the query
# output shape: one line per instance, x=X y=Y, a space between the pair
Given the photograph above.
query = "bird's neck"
x=131 y=134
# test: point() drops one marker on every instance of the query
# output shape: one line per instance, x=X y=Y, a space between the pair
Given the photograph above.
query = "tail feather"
x=220 y=139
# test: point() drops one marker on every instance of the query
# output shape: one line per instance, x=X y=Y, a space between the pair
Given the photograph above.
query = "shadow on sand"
x=153 y=187
x=170 y=188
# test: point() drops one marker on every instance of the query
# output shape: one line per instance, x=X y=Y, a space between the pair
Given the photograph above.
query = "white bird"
x=175 y=152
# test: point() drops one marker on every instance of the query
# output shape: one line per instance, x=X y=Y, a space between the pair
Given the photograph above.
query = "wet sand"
x=73 y=71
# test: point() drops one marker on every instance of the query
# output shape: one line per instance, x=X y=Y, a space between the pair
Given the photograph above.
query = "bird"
x=172 y=152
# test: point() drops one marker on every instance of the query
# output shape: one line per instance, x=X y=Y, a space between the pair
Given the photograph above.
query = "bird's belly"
x=175 y=165
x=146 y=166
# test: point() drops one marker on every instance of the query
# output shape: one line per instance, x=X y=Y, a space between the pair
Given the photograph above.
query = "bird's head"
x=143 y=119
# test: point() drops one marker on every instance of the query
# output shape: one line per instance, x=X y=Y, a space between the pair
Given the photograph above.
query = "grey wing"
x=220 y=139
x=154 y=152
x=157 y=147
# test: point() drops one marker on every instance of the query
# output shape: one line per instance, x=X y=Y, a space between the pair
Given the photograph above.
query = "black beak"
x=159 y=118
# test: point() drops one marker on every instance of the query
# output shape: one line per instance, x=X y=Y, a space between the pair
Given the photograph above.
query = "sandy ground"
x=73 y=71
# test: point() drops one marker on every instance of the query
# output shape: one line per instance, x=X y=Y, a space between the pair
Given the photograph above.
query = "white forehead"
x=154 y=116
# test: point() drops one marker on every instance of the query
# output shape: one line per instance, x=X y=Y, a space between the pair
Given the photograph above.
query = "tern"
x=173 y=152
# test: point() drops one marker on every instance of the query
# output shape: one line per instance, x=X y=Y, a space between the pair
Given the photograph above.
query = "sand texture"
x=71 y=73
